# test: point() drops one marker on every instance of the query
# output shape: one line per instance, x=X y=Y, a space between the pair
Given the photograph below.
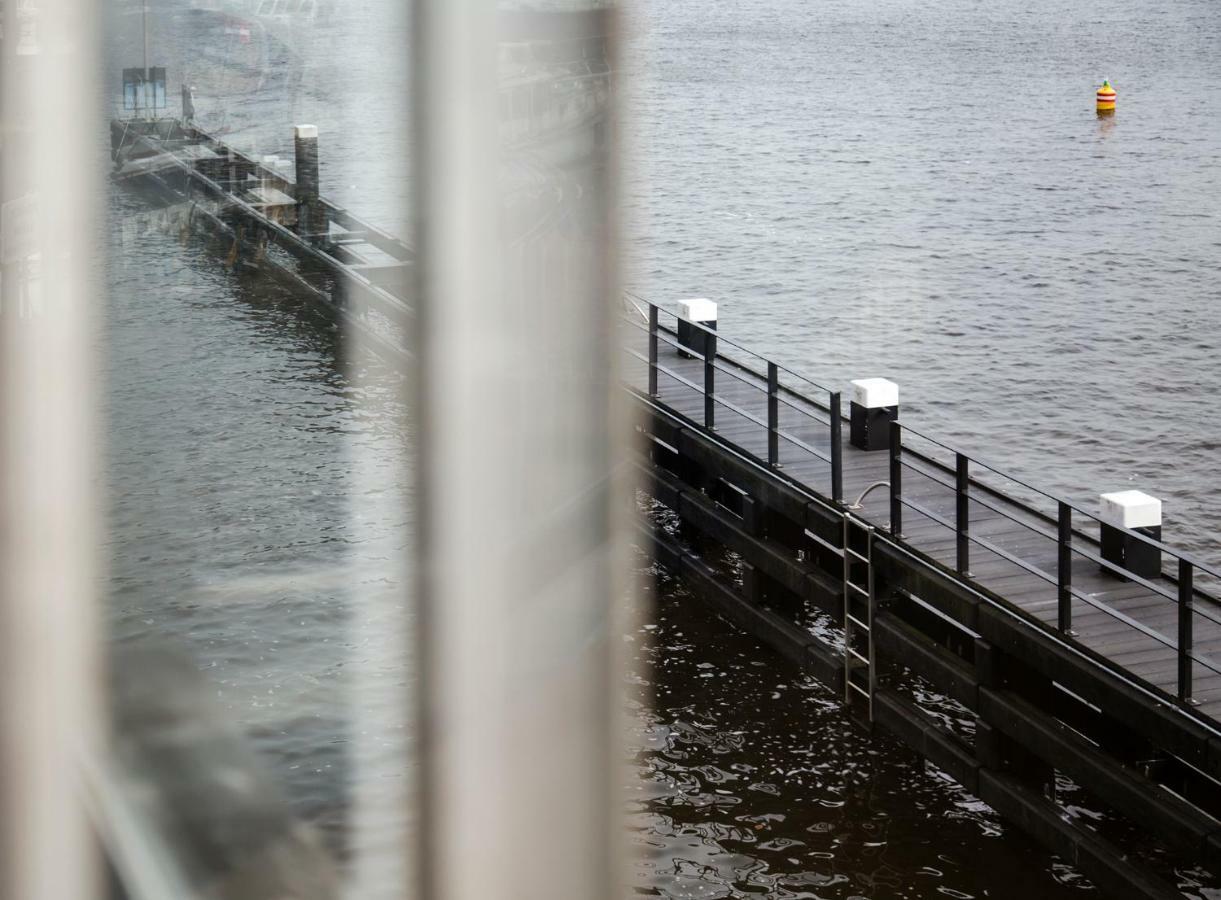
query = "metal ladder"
x=860 y=678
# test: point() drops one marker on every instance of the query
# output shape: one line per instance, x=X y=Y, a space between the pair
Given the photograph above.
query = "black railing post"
x=962 y=512
x=1064 y=568
x=709 y=384
x=1186 y=610
x=837 y=450
x=773 y=415
x=896 y=479
x=652 y=350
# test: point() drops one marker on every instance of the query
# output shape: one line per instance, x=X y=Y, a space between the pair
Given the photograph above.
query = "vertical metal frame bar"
x=652 y=350
x=1064 y=568
x=518 y=352
x=837 y=448
x=51 y=705
x=896 y=479
x=709 y=384
x=773 y=414
x=962 y=512
x=1186 y=614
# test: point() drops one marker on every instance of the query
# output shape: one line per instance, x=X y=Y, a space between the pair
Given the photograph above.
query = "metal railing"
x=959 y=475
x=790 y=397
x=963 y=478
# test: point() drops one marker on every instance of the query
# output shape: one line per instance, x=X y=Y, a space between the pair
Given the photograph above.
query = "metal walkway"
x=1021 y=545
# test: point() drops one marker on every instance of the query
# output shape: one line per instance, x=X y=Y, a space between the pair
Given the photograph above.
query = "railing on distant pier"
x=965 y=479
x=772 y=381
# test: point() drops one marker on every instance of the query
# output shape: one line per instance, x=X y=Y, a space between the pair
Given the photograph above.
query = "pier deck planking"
x=741 y=405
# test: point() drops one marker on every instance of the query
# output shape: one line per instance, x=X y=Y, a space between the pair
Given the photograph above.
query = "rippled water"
x=755 y=784
x=886 y=187
x=923 y=191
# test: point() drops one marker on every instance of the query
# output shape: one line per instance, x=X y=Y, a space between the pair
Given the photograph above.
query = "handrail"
x=1050 y=632
x=1211 y=569
x=723 y=340
x=965 y=488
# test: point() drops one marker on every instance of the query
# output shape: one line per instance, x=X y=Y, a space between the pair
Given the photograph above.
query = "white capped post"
x=1122 y=512
x=875 y=404
x=693 y=312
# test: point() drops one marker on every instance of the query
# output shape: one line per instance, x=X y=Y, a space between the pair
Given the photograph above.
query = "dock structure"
x=281 y=226
x=1077 y=649
x=879 y=560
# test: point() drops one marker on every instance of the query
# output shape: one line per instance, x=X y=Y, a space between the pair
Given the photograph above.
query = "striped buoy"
x=1106 y=99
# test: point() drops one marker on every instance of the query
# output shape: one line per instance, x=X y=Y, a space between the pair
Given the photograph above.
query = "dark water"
x=900 y=188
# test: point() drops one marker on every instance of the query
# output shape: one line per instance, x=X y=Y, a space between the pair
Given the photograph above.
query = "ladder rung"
x=864 y=626
x=859 y=656
x=864 y=692
x=857 y=556
x=863 y=591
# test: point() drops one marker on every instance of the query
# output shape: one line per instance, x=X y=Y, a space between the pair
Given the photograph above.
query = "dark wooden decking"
x=1108 y=612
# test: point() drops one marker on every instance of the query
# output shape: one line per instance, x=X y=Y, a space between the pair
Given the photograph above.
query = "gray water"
x=907 y=189
x=923 y=191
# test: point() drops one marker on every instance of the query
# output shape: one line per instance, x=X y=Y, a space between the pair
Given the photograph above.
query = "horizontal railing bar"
x=1162 y=592
x=683 y=380
x=1012 y=558
x=1126 y=619
x=925 y=511
x=732 y=407
x=1092 y=516
x=975 y=539
x=1090 y=537
x=1047 y=533
x=803 y=407
x=701 y=327
x=798 y=442
x=802 y=404
x=734 y=370
x=925 y=473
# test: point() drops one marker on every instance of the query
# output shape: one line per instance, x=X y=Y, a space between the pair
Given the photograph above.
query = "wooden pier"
x=264 y=220
x=952 y=575
x=948 y=575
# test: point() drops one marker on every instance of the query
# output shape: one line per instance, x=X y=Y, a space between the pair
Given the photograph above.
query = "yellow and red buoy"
x=1106 y=99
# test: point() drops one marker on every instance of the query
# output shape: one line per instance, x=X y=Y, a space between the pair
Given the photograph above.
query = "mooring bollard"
x=875 y=404
x=1137 y=511
x=692 y=314
x=311 y=219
